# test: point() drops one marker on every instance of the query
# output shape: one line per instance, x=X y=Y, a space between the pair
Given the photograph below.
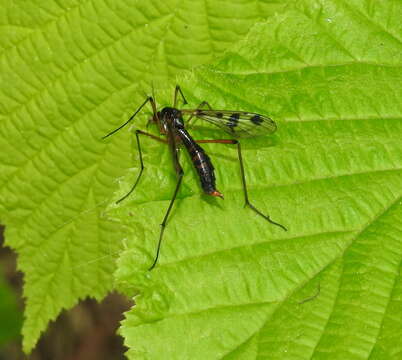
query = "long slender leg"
x=137 y=133
x=163 y=225
x=179 y=172
x=205 y=103
x=217 y=141
x=150 y=99
x=246 y=199
x=189 y=126
x=176 y=91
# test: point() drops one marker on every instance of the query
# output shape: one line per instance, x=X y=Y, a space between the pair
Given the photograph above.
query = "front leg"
x=137 y=133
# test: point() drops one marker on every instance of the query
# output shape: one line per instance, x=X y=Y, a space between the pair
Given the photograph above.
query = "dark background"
x=88 y=331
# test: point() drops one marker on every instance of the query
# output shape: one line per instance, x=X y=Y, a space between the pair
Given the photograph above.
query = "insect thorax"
x=172 y=115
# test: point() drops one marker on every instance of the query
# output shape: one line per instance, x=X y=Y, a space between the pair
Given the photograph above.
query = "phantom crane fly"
x=171 y=124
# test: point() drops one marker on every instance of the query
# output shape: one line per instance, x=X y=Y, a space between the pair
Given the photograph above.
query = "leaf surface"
x=71 y=71
x=228 y=284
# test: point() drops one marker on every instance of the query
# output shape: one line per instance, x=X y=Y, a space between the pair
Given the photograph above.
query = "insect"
x=171 y=124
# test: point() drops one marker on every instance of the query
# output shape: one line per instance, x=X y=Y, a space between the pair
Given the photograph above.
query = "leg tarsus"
x=141 y=170
x=163 y=225
x=266 y=217
x=158 y=248
x=133 y=187
x=246 y=200
x=142 y=167
x=176 y=91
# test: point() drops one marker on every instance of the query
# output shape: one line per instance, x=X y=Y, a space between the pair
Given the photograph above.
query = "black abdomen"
x=201 y=162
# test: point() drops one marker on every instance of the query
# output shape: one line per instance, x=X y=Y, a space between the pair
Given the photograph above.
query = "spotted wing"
x=238 y=123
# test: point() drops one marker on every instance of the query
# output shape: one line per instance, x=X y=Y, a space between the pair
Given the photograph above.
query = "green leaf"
x=10 y=316
x=71 y=71
x=230 y=285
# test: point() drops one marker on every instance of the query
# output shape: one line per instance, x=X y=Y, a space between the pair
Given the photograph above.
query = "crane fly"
x=171 y=124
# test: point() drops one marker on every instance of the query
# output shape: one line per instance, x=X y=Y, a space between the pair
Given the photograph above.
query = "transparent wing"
x=237 y=123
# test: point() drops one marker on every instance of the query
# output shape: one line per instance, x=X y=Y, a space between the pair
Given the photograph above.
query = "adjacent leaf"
x=229 y=285
x=71 y=71
x=10 y=316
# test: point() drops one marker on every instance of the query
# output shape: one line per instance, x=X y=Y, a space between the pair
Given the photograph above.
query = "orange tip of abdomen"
x=216 y=193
